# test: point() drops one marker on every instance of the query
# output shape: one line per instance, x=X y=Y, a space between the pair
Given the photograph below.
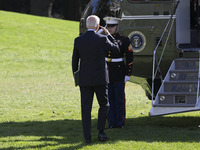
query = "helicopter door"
x=183 y=22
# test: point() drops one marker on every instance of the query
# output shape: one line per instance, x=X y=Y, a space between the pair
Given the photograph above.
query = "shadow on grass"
x=61 y=132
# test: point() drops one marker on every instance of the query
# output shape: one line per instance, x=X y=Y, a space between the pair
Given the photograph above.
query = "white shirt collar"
x=91 y=30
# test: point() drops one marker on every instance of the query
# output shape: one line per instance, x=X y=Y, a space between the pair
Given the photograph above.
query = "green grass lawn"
x=40 y=107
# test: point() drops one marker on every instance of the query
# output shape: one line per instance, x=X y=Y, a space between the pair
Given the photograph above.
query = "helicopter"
x=165 y=38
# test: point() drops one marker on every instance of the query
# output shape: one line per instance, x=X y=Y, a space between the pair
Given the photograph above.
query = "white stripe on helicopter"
x=146 y=17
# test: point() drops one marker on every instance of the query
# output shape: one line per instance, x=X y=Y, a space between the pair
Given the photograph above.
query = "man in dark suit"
x=90 y=50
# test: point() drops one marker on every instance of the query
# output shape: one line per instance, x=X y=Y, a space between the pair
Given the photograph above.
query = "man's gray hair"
x=92 y=22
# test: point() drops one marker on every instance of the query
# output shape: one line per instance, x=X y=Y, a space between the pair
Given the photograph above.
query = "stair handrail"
x=164 y=49
x=154 y=73
x=198 y=81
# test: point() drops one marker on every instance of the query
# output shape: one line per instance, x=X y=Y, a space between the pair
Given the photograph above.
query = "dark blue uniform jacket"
x=118 y=70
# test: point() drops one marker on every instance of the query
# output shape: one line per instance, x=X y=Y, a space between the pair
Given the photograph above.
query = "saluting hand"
x=105 y=30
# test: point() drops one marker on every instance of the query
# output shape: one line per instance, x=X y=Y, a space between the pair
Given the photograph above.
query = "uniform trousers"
x=117 y=112
x=87 y=95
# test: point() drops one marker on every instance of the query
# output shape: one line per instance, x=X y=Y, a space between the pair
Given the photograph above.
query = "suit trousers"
x=87 y=95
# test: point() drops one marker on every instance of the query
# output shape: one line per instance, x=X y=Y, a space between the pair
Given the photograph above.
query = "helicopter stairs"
x=178 y=92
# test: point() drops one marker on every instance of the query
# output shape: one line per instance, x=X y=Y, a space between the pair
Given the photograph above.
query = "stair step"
x=191 y=49
x=180 y=86
x=183 y=75
x=178 y=93
x=188 y=64
x=177 y=99
x=173 y=105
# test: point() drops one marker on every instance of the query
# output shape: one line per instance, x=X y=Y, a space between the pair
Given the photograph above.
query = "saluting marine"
x=119 y=69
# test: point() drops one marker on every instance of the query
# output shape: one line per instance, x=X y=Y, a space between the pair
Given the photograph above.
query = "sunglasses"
x=111 y=25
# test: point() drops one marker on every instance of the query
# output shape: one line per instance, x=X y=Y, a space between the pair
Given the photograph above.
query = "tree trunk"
x=50 y=8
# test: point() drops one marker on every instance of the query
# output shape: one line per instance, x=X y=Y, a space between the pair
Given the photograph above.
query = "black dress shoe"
x=102 y=137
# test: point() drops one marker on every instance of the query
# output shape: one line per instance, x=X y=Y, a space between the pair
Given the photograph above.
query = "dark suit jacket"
x=90 y=49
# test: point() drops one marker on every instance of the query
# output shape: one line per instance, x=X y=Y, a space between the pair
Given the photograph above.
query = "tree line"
x=64 y=9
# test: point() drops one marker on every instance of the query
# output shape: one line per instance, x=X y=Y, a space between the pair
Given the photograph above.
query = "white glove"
x=127 y=78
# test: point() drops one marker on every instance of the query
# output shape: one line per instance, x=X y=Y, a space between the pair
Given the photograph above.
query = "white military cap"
x=112 y=20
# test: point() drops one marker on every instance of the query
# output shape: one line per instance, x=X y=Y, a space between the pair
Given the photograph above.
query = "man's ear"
x=97 y=27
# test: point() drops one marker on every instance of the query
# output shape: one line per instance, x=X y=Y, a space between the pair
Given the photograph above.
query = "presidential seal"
x=138 y=41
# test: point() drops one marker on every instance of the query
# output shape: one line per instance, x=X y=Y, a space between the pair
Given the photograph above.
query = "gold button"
x=108 y=59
